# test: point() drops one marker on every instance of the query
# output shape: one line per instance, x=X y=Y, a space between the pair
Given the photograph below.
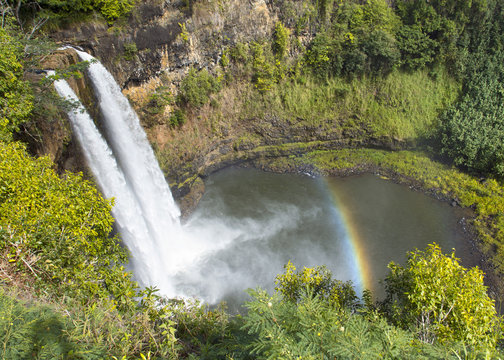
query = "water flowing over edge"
x=130 y=221
x=164 y=253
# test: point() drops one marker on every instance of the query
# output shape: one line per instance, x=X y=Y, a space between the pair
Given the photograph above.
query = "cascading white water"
x=135 y=231
x=163 y=253
x=136 y=158
x=125 y=168
x=220 y=251
x=189 y=260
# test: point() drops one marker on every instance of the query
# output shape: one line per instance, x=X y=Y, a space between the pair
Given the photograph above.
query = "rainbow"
x=360 y=264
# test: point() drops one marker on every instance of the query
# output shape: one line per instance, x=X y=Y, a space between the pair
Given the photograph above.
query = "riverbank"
x=484 y=199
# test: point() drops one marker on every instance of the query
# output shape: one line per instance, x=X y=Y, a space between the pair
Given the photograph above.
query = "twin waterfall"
x=126 y=169
x=226 y=246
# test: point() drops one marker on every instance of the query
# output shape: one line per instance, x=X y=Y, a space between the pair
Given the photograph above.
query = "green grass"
x=402 y=105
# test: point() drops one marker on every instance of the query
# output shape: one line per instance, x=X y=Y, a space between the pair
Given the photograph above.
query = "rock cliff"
x=154 y=51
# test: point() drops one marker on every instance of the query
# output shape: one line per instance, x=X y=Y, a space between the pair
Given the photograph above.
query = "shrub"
x=280 y=40
x=159 y=99
x=197 y=87
x=314 y=329
x=442 y=299
x=177 y=118
x=130 y=50
x=317 y=55
x=58 y=229
x=381 y=50
x=319 y=282
x=38 y=332
x=417 y=49
x=239 y=53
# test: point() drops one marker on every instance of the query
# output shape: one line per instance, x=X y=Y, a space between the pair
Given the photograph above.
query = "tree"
x=381 y=50
x=197 y=87
x=37 y=12
x=319 y=282
x=442 y=300
x=374 y=15
x=264 y=70
x=58 y=230
x=113 y=9
x=471 y=131
x=280 y=40
x=417 y=49
x=16 y=99
x=317 y=55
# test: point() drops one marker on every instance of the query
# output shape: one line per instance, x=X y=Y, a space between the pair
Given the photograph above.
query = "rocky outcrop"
x=154 y=50
x=168 y=37
x=49 y=133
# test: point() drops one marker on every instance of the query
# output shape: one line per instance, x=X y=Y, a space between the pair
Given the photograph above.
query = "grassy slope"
x=404 y=105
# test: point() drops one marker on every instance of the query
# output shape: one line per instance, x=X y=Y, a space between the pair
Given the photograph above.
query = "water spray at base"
x=216 y=253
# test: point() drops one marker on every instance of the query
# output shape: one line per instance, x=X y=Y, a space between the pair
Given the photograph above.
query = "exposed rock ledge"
x=252 y=145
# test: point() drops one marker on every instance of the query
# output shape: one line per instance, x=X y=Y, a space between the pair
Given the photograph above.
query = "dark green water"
x=253 y=223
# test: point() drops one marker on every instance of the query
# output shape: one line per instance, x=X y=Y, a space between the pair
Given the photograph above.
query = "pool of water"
x=252 y=223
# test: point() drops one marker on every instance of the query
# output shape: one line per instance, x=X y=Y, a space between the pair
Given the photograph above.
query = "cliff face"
x=154 y=51
x=49 y=133
x=158 y=45
x=163 y=38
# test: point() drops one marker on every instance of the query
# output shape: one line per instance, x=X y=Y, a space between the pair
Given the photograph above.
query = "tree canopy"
x=441 y=300
x=16 y=99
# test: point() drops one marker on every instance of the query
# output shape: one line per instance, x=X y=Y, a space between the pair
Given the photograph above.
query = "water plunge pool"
x=254 y=222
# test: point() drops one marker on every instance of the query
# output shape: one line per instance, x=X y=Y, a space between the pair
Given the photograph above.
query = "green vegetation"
x=298 y=321
x=280 y=40
x=364 y=69
x=39 y=332
x=197 y=87
x=114 y=9
x=461 y=312
x=403 y=105
x=130 y=51
x=309 y=315
x=58 y=229
x=358 y=70
x=38 y=13
x=292 y=286
x=471 y=130
x=16 y=99
x=263 y=67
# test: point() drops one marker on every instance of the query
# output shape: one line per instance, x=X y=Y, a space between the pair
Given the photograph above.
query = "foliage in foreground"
x=313 y=328
x=58 y=230
x=443 y=300
x=300 y=321
x=39 y=332
x=45 y=329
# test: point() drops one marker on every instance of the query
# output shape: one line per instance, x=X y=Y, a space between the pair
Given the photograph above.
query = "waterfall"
x=126 y=169
x=202 y=258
